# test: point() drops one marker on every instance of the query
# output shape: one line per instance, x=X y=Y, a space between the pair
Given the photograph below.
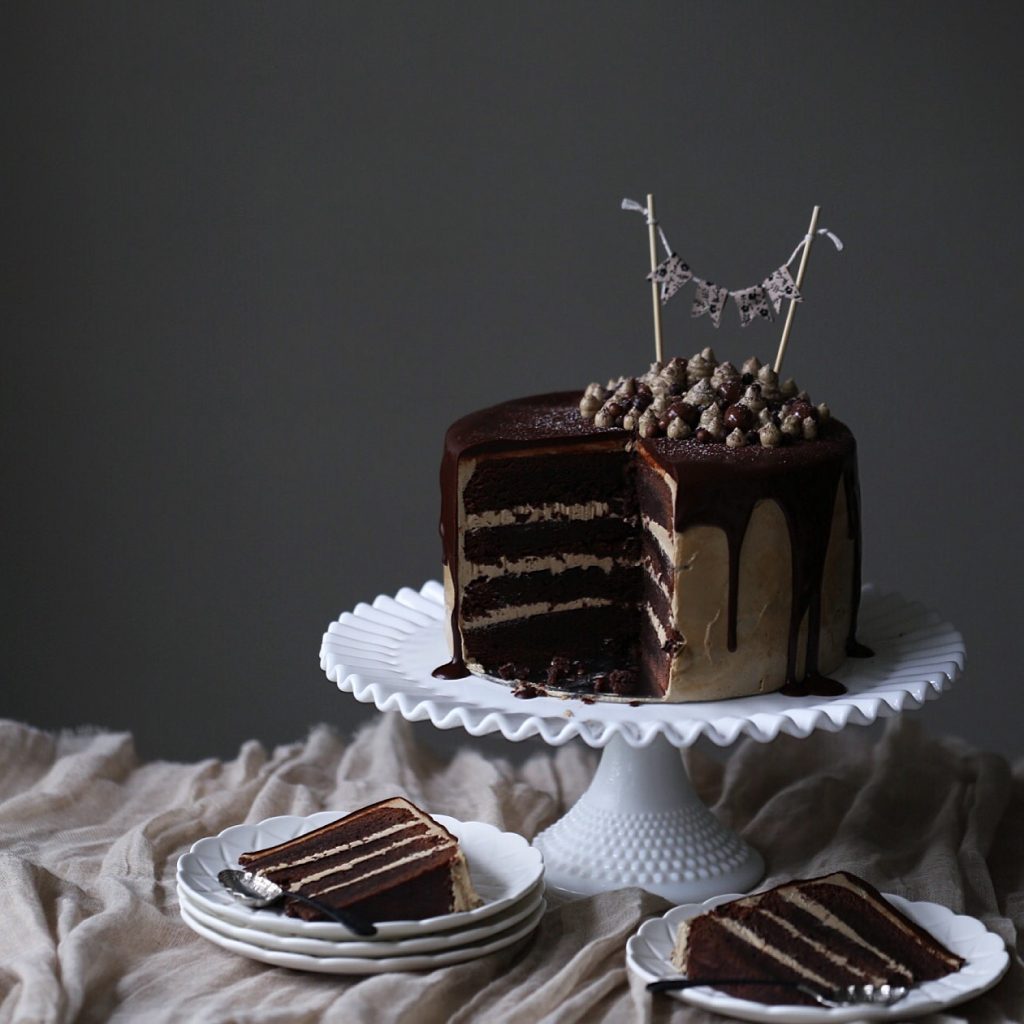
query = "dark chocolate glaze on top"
x=716 y=486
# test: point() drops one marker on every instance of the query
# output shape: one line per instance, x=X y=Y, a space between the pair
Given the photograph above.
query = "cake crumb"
x=527 y=691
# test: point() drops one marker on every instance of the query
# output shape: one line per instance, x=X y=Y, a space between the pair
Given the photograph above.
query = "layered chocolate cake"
x=826 y=933
x=390 y=861
x=690 y=534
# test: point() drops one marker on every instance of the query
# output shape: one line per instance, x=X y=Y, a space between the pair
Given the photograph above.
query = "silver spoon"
x=847 y=995
x=256 y=891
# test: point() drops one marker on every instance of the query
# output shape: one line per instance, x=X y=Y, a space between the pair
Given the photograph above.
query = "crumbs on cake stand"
x=527 y=691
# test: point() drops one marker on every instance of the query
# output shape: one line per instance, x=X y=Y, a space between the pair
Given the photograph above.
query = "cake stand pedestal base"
x=641 y=824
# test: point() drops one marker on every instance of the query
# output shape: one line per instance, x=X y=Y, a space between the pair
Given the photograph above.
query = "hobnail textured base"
x=641 y=824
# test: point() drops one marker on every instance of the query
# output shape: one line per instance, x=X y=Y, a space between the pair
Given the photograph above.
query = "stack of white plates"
x=506 y=871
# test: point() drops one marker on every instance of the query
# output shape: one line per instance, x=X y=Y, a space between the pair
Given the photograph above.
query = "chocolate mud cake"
x=825 y=932
x=690 y=534
x=390 y=861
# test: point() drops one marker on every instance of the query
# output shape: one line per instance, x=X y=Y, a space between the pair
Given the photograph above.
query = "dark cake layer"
x=492 y=594
x=653 y=496
x=564 y=478
x=602 y=639
x=420 y=858
x=426 y=894
x=606 y=537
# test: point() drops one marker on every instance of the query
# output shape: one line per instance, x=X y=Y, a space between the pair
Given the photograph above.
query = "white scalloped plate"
x=648 y=952
x=368 y=965
x=384 y=654
x=372 y=948
x=502 y=865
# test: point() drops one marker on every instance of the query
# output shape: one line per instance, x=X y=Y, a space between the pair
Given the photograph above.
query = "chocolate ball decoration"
x=738 y=417
x=689 y=414
x=802 y=410
x=731 y=391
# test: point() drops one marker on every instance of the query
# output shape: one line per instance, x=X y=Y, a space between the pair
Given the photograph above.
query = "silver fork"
x=847 y=995
x=850 y=995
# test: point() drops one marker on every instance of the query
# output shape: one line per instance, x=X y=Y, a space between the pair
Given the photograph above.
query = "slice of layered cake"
x=825 y=932
x=390 y=861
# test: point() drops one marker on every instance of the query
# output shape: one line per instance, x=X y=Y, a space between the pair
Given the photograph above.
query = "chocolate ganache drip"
x=722 y=489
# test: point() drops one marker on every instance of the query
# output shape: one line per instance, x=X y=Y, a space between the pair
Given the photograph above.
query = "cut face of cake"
x=609 y=554
x=389 y=861
x=825 y=932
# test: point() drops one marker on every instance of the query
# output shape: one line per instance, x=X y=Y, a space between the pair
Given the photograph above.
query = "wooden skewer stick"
x=791 y=312
x=652 y=230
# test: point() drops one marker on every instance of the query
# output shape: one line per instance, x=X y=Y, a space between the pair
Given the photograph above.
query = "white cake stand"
x=640 y=822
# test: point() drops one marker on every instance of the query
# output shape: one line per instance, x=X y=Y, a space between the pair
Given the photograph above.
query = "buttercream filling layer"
x=656 y=624
x=524 y=611
x=521 y=515
x=661 y=536
x=552 y=564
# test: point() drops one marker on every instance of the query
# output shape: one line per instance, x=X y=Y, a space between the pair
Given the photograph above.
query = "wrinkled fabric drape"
x=90 y=837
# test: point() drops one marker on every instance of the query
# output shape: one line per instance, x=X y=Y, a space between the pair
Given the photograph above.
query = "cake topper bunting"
x=756 y=302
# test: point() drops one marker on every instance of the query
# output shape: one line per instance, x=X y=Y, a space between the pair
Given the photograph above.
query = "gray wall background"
x=258 y=256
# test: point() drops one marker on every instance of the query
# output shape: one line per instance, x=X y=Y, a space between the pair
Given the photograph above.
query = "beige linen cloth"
x=89 y=839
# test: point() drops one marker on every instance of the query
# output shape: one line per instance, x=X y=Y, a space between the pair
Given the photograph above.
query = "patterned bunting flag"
x=671 y=273
x=752 y=304
x=781 y=286
x=709 y=299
